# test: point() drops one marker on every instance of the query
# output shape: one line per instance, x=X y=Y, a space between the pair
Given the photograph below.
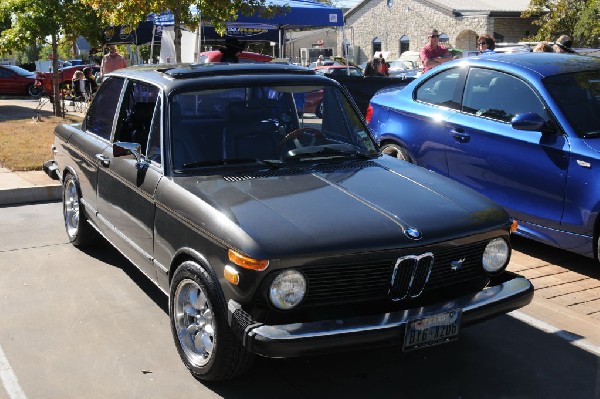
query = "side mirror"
x=121 y=149
x=529 y=121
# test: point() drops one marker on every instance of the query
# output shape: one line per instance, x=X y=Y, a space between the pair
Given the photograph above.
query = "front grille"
x=405 y=277
x=410 y=275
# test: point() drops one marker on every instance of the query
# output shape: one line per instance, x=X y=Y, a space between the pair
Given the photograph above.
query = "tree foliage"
x=576 y=18
x=32 y=20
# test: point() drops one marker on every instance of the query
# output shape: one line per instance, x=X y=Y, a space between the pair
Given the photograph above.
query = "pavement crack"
x=34 y=247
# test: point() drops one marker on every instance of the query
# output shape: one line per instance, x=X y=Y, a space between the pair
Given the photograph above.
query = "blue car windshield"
x=264 y=124
x=578 y=97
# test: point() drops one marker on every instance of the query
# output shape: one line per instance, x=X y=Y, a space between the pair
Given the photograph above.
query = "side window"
x=100 y=117
x=154 y=142
x=441 y=89
x=499 y=96
x=136 y=114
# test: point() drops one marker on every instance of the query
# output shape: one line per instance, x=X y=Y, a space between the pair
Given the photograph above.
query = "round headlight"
x=287 y=290
x=496 y=255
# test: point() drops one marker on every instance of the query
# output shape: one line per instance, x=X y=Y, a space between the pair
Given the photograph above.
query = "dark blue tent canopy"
x=299 y=14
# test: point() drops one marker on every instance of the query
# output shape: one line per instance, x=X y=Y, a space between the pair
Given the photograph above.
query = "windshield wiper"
x=327 y=150
x=216 y=162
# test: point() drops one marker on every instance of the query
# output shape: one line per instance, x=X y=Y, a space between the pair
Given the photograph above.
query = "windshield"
x=267 y=125
x=19 y=70
x=578 y=97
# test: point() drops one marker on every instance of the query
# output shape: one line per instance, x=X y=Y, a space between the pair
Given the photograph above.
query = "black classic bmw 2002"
x=272 y=233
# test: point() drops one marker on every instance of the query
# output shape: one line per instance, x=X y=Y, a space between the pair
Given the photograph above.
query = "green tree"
x=576 y=18
x=53 y=19
x=215 y=12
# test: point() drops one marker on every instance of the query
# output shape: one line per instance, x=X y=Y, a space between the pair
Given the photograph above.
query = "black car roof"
x=176 y=76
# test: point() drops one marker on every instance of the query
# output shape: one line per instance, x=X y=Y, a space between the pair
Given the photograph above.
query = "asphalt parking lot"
x=88 y=324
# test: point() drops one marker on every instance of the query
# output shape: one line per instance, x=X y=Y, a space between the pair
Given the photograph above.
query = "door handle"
x=104 y=160
x=460 y=135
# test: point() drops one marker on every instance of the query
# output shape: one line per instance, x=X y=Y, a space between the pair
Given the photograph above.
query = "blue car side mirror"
x=528 y=121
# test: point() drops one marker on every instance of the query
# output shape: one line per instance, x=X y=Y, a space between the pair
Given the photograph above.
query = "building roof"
x=466 y=7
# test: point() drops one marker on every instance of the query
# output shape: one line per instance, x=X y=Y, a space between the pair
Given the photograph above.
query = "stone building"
x=395 y=26
x=296 y=41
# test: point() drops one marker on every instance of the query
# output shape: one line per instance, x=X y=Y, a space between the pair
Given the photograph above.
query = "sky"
x=345 y=3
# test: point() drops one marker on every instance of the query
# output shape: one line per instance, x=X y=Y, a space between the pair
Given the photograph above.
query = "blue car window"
x=441 y=90
x=578 y=97
x=499 y=96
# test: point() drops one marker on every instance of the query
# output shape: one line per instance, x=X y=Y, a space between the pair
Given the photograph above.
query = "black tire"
x=319 y=110
x=204 y=340
x=79 y=231
x=34 y=91
x=396 y=151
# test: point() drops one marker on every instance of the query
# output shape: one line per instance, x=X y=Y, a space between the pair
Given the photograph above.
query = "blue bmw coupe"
x=523 y=129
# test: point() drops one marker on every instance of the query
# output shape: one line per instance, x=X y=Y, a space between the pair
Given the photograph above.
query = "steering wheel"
x=294 y=135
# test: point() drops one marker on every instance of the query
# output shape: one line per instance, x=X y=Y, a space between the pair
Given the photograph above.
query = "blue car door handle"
x=460 y=135
x=104 y=160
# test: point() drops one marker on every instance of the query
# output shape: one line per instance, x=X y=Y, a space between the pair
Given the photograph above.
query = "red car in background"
x=244 y=56
x=16 y=80
x=65 y=76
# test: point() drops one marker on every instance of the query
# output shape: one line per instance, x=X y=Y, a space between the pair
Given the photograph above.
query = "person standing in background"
x=433 y=54
x=112 y=61
x=382 y=67
x=563 y=45
x=543 y=47
x=90 y=81
x=486 y=45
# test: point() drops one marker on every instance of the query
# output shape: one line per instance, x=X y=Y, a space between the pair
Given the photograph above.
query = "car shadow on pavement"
x=494 y=359
x=106 y=253
x=491 y=359
x=556 y=256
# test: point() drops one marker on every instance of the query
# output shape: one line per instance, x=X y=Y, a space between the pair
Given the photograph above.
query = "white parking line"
x=9 y=379
x=567 y=336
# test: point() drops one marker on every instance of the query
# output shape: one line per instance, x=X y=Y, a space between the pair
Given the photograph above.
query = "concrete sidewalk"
x=27 y=187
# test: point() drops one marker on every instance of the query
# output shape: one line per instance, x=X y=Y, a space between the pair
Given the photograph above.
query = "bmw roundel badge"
x=412 y=233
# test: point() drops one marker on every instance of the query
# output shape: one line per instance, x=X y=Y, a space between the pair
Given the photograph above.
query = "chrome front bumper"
x=297 y=339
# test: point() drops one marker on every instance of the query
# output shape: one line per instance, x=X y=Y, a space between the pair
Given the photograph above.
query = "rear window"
x=578 y=97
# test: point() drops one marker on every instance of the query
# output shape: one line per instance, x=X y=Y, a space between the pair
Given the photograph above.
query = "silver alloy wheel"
x=71 y=208
x=194 y=323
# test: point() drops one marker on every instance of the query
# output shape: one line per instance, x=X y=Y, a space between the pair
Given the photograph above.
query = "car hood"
x=366 y=205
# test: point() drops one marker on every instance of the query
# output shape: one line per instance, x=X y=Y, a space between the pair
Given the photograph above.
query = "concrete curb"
x=27 y=187
x=16 y=196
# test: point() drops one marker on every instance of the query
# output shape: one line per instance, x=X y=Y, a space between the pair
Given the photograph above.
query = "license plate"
x=432 y=330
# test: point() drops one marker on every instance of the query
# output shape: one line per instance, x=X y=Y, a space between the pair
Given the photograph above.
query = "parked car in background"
x=338 y=70
x=274 y=235
x=327 y=62
x=244 y=56
x=522 y=129
x=16 y=80
x=65 y=78
x=400 y=69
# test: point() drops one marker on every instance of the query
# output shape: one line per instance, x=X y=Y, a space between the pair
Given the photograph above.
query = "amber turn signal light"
x=231 y=275
x=514 y=225
x=247 y=262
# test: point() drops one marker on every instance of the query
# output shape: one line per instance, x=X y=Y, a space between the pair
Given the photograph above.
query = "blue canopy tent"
x=300 y=14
